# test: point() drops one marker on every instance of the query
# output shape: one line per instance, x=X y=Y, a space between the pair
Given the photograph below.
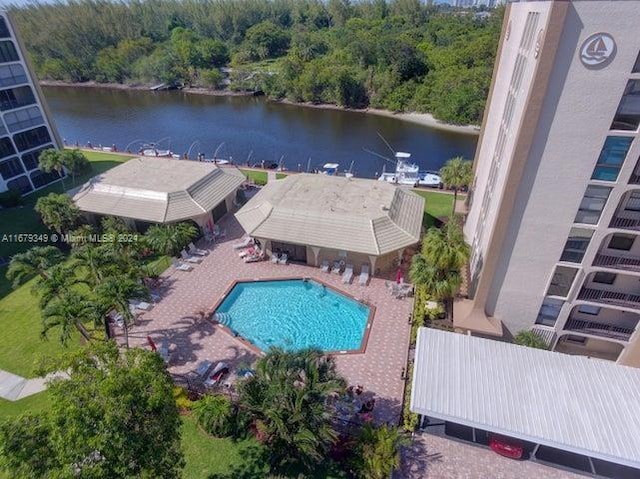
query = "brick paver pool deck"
x=177 y=316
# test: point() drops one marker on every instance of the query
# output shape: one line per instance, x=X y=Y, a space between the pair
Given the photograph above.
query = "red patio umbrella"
x=399 y=276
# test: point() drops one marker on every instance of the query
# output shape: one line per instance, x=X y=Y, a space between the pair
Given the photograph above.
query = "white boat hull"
x=427 y=179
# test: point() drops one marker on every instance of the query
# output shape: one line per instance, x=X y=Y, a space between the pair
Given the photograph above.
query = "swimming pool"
x=294 y=314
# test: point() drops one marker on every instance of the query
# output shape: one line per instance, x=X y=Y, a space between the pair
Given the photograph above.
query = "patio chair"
x=197 y=251
x=190 y=259
x=163 y=350
x=247 y=241
x=337 y=267
x=141 y=305
x=283 y=258
x=216 y=375
x=203 y=368
x=219 y=233
x=364 y=275
x=257 y=256
x=180 y=266
x=325 y=266
x=348 y=274
x=275 y=258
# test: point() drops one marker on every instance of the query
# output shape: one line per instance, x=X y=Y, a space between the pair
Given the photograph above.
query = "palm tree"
x=115 y=292
x=170 y=239
x=377 y=452
x=59 y=280
x=68 y=312
x=52 y=160
x=438 y=265
x=35 y=261
x=74 y=161
x=96 y=262
x=457 y=173
x=58 y=211
x=287 y=401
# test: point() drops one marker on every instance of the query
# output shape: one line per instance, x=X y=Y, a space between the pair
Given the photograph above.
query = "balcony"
x=599 y=329
x=635 y=178
x=627 y=216
x=626 y=300
x=626 y=263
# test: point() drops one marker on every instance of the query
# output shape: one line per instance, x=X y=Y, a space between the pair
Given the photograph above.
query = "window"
x=561 y=281
x=8 y=52
x=628 y=114
x=6 y=147
x=31 y=159
x=611 y=158
x=549 y=311
x=10 y=168
x=592 y=204
x=31 y=138
x=576 y=245
x=16 y=97
x=621 y=242
x=39 y=178
x=633 y=201
x=21 y=119
x=603 y=277
x=12 y=75
x=4 y=30
x=636 y=67
x=588 y=309
x=21 y=184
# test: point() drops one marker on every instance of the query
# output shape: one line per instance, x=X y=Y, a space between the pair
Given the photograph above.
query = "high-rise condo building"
x=554 y=215
x=25 y=127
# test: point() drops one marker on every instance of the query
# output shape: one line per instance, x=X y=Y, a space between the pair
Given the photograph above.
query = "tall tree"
x=61 y=278
x=170 y=239
x=114 y=417
x=69 y=311
x=287 y=400
x=457 y=173
x=438 y=265
x=52 y=160
x=74 y=161
x=58 y=212
x=35 y=261
x=115 y=292
x=94 y=263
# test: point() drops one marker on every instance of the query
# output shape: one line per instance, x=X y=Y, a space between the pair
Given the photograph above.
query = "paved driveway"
x=177 y=316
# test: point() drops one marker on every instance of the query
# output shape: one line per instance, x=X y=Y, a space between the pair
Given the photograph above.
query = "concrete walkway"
x=14 y=387
x=271 y=176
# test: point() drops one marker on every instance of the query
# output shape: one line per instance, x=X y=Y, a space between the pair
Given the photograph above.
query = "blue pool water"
x=294 y=314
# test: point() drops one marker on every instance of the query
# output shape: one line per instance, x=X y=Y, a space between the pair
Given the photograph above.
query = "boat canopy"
x=331 y=166
x=402 y=154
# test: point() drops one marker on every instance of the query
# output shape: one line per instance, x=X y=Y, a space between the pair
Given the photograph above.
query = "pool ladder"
x=223 y=318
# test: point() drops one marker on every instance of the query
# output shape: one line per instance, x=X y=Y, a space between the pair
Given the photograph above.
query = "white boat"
x=217 y=161
x=152 y=150
x=331 y=169
x=407 y=173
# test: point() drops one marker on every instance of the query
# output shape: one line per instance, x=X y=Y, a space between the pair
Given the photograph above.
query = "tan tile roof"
x=158 y=190
x=349 y=214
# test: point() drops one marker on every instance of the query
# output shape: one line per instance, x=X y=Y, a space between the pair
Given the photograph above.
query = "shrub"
x=10 y=199
x=182 y=399
x=377 y=452
x=530 y=339
x=214 y=414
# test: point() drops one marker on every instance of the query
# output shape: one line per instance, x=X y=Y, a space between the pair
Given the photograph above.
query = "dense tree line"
x=404 y=55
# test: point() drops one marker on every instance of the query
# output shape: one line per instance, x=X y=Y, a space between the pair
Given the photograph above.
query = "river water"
x=249 y=127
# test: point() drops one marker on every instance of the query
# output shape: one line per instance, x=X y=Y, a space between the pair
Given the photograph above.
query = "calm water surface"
x=247 y=126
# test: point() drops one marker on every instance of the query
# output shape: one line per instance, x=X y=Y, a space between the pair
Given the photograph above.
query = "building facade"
x=25 y=126
x=554 y=216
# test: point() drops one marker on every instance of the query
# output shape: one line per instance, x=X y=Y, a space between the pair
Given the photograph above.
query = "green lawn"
x=20 y=342
x=279 y=176
x=36 y=403
x=25 y=220
x=437 y=205
x=258 y=177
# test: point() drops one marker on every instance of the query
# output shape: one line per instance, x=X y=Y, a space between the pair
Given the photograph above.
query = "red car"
x=506 y=446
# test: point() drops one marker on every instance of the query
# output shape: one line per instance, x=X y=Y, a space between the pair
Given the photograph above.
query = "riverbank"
x=424 y=119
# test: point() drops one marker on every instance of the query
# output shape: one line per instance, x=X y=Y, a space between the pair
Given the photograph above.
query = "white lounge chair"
x=163 y=350
x=141 y=305
x=337 y=267
x=181 y=266
x=190 y=259
x=216 y=374
x=325 y=266
x=197 y=251
x=283 y=258
x=203 y=368
x=348 y=274
x=364 y=275
x=275 y=258
x=247 y=241
x=257 y=256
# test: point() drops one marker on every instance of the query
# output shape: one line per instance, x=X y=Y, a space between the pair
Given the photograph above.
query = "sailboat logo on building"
x=597 y=50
